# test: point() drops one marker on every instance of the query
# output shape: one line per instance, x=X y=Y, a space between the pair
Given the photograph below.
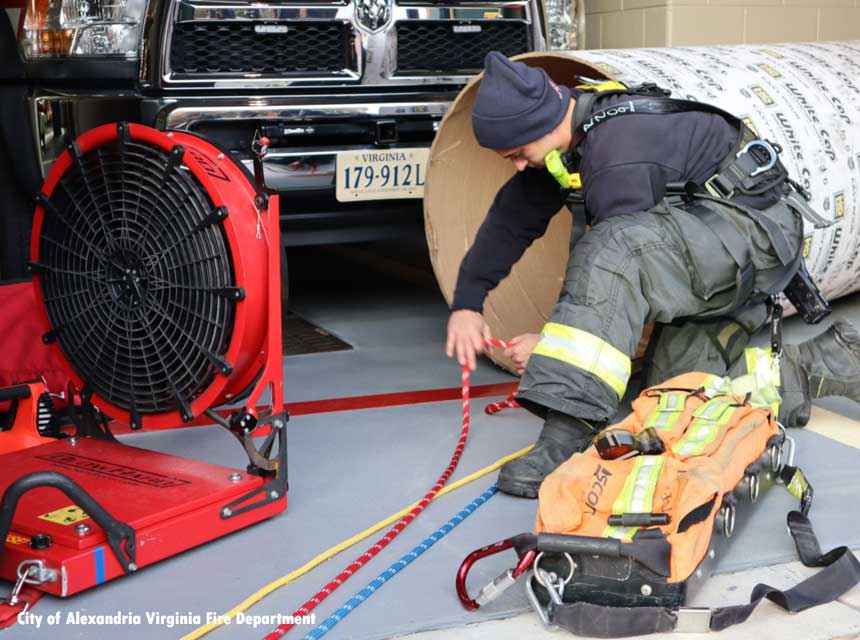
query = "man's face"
x=531 y=154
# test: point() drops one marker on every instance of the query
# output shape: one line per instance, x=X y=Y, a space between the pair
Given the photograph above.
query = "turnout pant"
x=664 y=266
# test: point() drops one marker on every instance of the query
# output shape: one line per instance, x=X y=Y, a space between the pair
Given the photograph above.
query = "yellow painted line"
x=836 y=427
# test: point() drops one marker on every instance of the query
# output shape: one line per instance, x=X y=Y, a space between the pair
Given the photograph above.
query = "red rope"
x=509 y=402
x=347 y=573
x=28 y=597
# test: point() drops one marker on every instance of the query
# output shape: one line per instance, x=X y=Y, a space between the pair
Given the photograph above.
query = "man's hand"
x=466 y=333
x=520 y=350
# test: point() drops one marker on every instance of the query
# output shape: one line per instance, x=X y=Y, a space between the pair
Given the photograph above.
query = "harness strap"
x=738 y=246
x=775 y=234
x=743 y=171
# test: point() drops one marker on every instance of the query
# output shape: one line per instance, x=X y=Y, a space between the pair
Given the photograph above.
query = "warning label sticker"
x=16 y=539
x=65 y=516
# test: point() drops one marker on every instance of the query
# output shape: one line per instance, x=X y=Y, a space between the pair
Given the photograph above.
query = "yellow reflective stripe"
x=670 y=406
x=587 y=352
x=637 y=495
x=609 y=85
x=711 y=410
x=761 y=364
x=798 y=485
x=713 y=386
x=672 y=402
x=702 y=431
x=663 y=420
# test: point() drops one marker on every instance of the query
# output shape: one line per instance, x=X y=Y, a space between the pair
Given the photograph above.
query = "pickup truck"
x=349 y=93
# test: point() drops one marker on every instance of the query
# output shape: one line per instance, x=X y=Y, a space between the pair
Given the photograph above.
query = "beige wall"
x=612 y=24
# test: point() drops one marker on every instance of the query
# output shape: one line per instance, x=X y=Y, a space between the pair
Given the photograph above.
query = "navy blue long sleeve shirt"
x=626 y=165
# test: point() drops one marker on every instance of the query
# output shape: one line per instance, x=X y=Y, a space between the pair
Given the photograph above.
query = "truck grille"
x=236 y=47
x=452 y=46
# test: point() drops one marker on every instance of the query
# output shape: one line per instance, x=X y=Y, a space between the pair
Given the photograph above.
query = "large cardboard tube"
x=805 y=97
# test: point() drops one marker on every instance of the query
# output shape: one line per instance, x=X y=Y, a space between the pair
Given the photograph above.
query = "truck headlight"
x=560 y=34
x=82 y=28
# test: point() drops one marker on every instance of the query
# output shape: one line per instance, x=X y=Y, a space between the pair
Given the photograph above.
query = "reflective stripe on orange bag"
x=712 y=433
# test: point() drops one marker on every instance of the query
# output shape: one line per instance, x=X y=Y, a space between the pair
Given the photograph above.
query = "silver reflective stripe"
x=587 y=352
x=637 y=495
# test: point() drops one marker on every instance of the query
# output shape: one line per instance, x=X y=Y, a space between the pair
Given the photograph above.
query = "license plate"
x=380 y=175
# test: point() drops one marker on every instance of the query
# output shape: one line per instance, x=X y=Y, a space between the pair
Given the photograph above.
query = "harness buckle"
x=693 y=620
x=767 y=146
x=712 y=187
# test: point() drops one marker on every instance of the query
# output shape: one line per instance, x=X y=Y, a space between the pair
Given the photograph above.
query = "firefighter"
x=697 y=266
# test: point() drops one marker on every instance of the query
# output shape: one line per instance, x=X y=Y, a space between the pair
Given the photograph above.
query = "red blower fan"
x=153 y=254
x=155 y=258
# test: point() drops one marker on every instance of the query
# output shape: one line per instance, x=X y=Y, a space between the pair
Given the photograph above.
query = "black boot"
x=832 y=361
x=562 y=436
x=826 y=365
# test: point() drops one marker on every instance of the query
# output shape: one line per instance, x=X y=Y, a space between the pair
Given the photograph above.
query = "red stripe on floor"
x=396 y=399
x=354 y=403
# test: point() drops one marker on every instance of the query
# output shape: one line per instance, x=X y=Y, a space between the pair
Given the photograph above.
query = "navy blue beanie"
x=516 y=104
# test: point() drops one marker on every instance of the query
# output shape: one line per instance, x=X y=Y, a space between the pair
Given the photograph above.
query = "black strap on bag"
x=840 y=571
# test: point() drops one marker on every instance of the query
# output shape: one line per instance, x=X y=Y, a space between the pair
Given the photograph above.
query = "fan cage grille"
x=133 y=273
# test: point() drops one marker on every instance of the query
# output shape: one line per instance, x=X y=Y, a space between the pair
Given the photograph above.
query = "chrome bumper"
x=187 y=114
x=300 y=167
x=58 y=119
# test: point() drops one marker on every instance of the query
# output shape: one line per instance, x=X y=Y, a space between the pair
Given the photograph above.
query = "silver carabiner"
x=543 y=613
x=29 y=572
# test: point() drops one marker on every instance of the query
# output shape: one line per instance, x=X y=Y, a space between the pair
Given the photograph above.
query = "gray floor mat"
x=344 y=451
x=398 y=345
x=349 y=470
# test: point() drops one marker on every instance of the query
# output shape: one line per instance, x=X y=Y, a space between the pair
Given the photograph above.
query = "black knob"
x=40 y=541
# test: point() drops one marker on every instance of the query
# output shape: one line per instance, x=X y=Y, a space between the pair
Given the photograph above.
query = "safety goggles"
x=618 y=444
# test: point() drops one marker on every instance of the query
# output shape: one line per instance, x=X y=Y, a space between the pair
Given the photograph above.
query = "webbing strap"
x=9 y=612
x=840 y=572
x=735 y=244
x=772 y=229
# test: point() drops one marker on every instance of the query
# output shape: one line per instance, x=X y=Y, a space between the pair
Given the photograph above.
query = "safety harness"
x=753 y=169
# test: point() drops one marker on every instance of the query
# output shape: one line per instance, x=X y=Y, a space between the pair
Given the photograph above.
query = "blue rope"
x=401 y=564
